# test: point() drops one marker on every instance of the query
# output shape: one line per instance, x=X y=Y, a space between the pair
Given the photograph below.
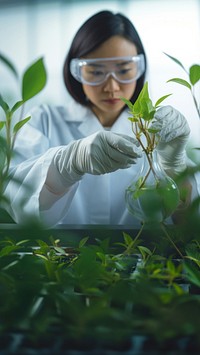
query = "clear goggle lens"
x=96 y=71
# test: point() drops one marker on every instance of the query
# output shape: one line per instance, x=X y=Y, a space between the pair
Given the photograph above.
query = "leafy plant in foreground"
x=32 y=82
x=193 y=76
x=48 y=295
x=152 y=186
x=142 y=117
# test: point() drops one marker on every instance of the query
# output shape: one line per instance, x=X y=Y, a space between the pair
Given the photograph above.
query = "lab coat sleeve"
x=34 y=151
x=23 y=192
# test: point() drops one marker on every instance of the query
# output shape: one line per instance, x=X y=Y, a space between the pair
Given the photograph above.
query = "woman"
x=75 y=162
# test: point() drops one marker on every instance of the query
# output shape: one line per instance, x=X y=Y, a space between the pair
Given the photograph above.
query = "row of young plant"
x=107 y=292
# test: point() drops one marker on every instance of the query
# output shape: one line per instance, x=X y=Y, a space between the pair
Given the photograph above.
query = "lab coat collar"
x=84 y=117
x=89 y=123
x=122 y=125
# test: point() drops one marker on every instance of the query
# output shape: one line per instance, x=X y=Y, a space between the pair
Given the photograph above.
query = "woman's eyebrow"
x=124 y=63
x=102 y=65
x=96 y=65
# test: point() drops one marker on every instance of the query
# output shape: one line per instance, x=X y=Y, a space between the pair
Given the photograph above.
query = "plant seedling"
x=193 y=78
x=33 y=81
x=142 y=119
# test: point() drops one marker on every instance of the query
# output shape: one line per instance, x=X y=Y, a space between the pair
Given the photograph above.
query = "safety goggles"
x=96 y=71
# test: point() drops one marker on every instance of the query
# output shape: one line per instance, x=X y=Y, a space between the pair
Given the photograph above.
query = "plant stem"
x=170 y=239
x=195 y=102
x=134 y=241
x=149 y=158
x=8 y=143
x=150 y=145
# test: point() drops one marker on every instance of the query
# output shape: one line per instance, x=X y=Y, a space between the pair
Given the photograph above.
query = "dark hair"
x=96 y=30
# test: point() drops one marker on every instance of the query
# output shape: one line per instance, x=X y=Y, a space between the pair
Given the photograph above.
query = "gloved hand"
x=97 y=154
x=174 y=134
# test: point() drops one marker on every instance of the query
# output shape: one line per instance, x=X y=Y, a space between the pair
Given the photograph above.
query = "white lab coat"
x=95 y=199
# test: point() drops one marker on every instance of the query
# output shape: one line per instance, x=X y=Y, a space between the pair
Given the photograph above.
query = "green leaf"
x=133 y=119
x=153 y=130
x=41 y=256
x=34 y=80
x=127 y=238
x=143 y=106
x=180 y=81
x=158 y=102
x=20 y=124
x=127 y=102
x=193 y=253
x=137 y=107
x=83 y=241
x=4 y=105
x=16 y=106
x=194 y=74
x=144 y=251
x=178 y=289
x=7 y=250
x=42 y=243
x=175 y=60
x=193 y=259
x=101 y=256
x=193 y=273
x=9 y=64
x=60 y=250
x=22 y=241
x=2 y=124
x=151 y=115
x=104 y=244
x=171 y=266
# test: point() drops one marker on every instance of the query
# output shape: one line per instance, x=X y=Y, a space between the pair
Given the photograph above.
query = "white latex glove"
x=174 y=134
x=99 y=153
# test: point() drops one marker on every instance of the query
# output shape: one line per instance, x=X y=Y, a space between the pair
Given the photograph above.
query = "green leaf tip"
x=194 y=74
x=34 y=80
x=180 y=81
x=175 y=60
x=9 y=64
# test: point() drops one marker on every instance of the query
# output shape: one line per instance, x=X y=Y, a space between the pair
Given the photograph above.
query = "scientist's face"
x=105 y=98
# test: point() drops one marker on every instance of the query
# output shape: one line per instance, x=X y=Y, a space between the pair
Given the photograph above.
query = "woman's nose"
x=111 y=84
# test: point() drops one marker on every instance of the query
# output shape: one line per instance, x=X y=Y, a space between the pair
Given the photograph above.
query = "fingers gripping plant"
x=152 y=185
x=142 y=118
x=33 y=81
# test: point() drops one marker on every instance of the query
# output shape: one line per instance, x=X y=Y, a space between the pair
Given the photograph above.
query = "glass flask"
x=153 y=195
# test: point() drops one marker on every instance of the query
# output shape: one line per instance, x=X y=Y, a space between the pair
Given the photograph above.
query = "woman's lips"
x=111 y=101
